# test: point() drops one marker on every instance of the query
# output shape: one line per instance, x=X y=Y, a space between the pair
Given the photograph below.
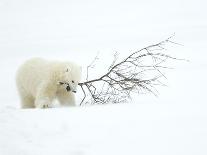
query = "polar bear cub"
x=40 y=81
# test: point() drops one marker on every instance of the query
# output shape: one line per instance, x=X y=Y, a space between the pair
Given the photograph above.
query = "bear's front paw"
x=43 y=103
x=45 y=106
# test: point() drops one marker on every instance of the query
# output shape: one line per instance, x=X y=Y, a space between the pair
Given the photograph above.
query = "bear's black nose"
x=68 y=88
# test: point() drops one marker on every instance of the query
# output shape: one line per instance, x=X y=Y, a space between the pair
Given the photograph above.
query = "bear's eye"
x=73 y=81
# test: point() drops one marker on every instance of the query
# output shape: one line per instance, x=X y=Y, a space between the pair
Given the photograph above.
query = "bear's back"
x=31 y=73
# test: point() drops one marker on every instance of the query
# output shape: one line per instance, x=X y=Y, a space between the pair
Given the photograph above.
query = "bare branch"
x=141 y=71
x=91 y=66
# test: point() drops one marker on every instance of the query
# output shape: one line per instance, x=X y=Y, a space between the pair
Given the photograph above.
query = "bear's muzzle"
x=68 y=88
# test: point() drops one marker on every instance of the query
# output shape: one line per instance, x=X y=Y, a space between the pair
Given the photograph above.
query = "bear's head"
x=71 y=76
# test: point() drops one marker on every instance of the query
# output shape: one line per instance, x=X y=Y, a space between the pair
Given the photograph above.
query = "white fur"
x=38 y=82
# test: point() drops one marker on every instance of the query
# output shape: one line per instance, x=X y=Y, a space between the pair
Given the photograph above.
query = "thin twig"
x=124 y=77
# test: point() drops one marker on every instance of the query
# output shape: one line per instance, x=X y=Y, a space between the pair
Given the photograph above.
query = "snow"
x=111 y=129
x=175 y=122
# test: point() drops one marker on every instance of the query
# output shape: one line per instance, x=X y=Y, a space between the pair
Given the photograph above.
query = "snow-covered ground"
x=124 y=129
x=173 y=123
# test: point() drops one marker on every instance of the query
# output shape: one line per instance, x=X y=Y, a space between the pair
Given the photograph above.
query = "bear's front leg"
x=66 y=98
x=45 y=96
x=43 y=102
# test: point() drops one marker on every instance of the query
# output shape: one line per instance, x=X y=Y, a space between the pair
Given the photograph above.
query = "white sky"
x=34 y=28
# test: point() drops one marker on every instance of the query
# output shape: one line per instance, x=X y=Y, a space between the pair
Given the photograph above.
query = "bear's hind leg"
x=27 y=100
